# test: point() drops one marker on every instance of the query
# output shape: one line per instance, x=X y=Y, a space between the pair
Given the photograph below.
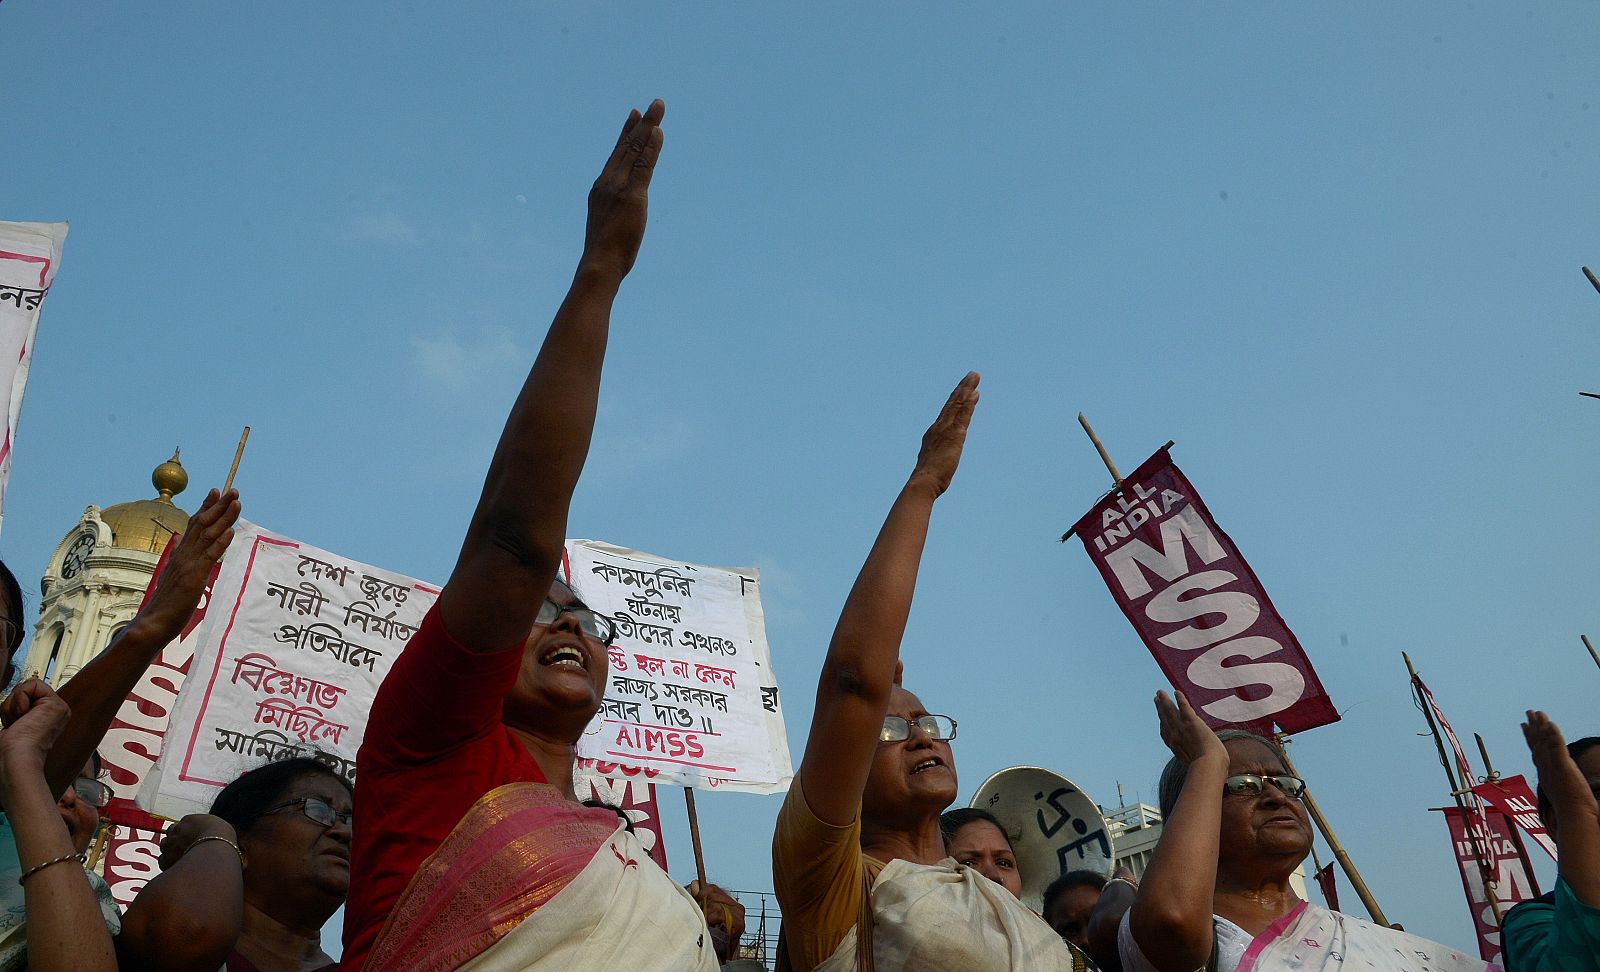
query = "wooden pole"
x=1456 y=792
x=1590 y=645
x=237 y=455
x=1339 y=853
x=1590 y=274
x=1105 y=457
x=1511 y=830
x=694 y=837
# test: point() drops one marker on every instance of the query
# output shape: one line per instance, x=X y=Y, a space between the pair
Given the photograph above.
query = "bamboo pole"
x=1339 y=853
x=99 y=848
x=1456 y=792
x=1590 y=645
x=1512 y=830
x=694 y=837
x=237 y=455
x=1105 y=457
x=1590 y=274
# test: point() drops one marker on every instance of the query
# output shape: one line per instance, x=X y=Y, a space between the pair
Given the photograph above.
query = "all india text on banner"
x=1199 y=607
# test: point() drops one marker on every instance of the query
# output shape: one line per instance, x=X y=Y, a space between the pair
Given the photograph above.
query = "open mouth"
x=565 y=656
x=930 y=763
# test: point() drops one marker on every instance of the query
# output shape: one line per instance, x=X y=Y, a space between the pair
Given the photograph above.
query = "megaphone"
x=1053 y=826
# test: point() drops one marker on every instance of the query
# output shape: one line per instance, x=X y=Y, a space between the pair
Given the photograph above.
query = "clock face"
x=77 y=556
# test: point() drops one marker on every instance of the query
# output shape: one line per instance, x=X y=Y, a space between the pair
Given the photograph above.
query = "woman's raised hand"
x=1185 y=733
x=619 y=203
x=1560 y=776
x=34 y=717
x=188 y=570
x=945 y=438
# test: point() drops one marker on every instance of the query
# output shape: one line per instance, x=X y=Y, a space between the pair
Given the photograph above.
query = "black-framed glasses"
x=896 y=728
x=93 y=792
x=319 y=810
x=1249 y=784
x=596 y=626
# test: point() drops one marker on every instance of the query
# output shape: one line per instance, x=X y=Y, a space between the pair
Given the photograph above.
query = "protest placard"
x=30 y=255
x=1198 y=606
x=692 y=693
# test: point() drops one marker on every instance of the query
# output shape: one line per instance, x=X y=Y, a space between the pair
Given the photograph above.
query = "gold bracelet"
x=30 y=872
x=225 y=840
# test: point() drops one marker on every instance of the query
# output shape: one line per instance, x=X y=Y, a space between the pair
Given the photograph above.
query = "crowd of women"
x=464 y=846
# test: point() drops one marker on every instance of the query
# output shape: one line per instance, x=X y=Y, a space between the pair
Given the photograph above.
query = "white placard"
x=289 y=657
x=296 y=640
x=30 y=254
x=691 y=693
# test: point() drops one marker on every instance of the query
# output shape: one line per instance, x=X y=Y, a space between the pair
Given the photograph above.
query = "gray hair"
x=1176 y=771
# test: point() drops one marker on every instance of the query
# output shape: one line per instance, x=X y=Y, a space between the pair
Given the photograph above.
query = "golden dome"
x=146 y=524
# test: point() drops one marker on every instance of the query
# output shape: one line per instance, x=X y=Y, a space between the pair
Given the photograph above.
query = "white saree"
x=934 y=917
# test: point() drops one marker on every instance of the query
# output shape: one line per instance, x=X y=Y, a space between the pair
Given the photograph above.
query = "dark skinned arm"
x=858 y=673
x=514 y=541
x=188 y=918
x=65 y=928
x=97 y=691
x=1171 y=917
x=1577 y=829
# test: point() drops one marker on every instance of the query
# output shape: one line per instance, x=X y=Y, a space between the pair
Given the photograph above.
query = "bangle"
x=225 y=840
x=30 y=872
x=1118 y=880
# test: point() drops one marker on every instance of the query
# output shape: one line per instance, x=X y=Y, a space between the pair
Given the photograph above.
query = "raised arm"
x=858 y=674
x=188 y=918
x=514 y=542
x=97 y=691
x=1577 y=823
x=64 y=926
x=1171 y=917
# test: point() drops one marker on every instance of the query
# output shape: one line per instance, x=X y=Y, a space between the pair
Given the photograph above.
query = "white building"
x=96 y=578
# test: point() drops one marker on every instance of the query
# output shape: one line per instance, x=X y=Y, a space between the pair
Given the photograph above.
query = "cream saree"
x=932 y=917
x=530 y=881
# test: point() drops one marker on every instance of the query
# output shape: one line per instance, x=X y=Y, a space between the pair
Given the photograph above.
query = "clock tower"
x=97 y=576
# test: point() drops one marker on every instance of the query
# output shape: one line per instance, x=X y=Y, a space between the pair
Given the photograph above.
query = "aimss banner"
x=1198 y=606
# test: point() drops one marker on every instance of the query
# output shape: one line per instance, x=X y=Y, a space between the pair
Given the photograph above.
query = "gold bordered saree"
x=529 y=880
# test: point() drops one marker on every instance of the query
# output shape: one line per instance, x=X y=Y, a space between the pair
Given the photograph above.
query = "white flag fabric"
x=30 y=254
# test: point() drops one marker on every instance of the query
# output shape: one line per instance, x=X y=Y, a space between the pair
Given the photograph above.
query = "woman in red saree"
x=473 y=851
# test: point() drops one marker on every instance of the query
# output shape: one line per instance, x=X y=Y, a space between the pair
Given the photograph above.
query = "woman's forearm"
x=64 y=926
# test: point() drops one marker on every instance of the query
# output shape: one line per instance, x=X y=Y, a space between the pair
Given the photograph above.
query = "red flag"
x=1330 y=891
x=1512 y=881
x=1474 y=805
x=1199 y=607
x=130 y=749
x=1511 y=796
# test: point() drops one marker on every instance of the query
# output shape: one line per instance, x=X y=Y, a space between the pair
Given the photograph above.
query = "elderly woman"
x=280 y=836
x=473 y=850
x=858 y=859
x=1560 y=931
x=1216 y=895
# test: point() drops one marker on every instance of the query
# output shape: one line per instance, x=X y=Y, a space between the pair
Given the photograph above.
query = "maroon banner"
x=1330 y=891
x=1510 y=795
x=1199 y=607
x=1512 y=882
x=634 y=795
x=130 y=749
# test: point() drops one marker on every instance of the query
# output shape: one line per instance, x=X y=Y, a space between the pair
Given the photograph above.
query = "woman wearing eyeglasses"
x=473 y=847
x=1216 y=893
x=858 y=859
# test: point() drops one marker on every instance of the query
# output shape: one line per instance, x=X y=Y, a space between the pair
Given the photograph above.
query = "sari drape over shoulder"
x=529 y=880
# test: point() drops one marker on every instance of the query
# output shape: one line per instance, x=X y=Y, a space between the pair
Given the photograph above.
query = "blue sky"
x=1332 y=251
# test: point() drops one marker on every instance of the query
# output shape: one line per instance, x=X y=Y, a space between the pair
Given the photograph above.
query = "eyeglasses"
x=320 y=811
x=93 y=792
x=896 y=728
x=596 y=626
x=1249 y=784
x=12 y=632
